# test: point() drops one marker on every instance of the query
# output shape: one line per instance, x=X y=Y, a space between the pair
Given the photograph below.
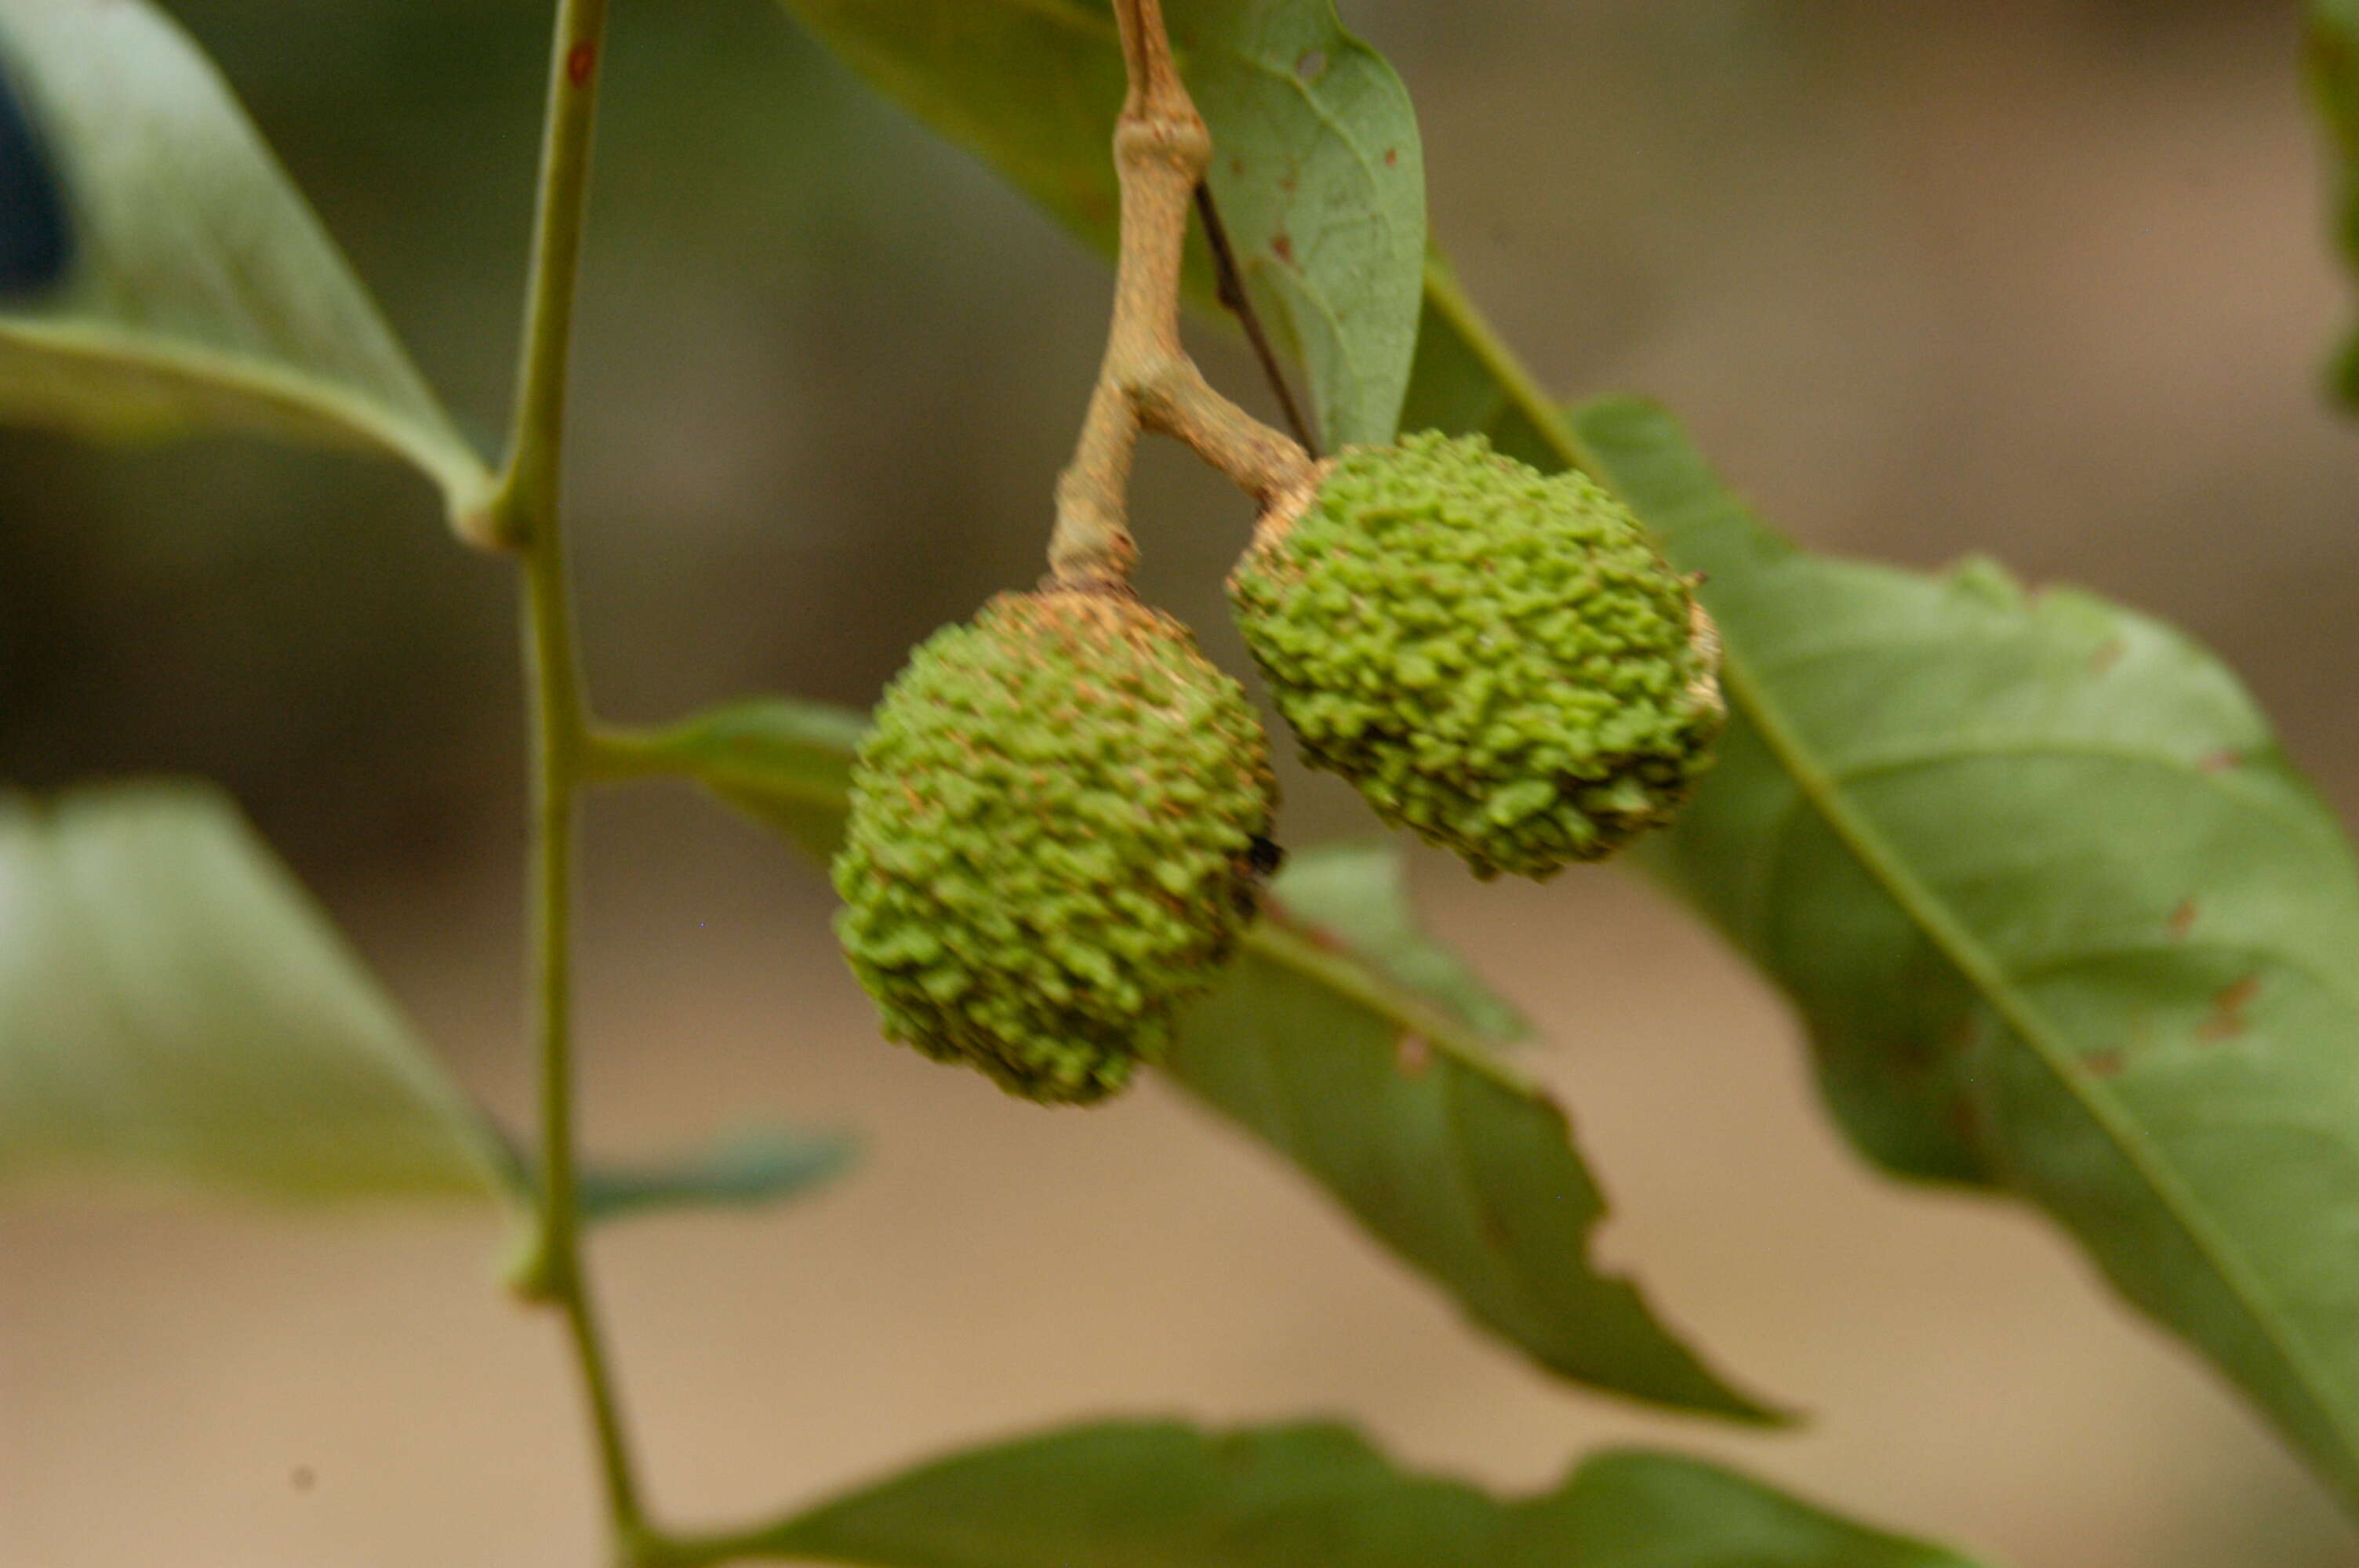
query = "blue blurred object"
x=34 y=244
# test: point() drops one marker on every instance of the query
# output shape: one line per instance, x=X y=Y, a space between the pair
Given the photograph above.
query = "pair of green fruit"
x=1061 y=821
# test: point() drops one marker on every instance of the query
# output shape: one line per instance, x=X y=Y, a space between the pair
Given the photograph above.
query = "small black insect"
x=1265 y=857
x=35 y=244
x=1260 y=862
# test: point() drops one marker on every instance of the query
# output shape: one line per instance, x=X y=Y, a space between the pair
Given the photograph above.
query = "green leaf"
x=1126 y=1494
x=785 y=764
x=2333 y=50
x=1358 y=891
x=1389 y=1098
x=1352 y=1045
x=2184 y=1101
x=745 y=1169
x=197 y=289
x=2061 y=918
x=1318 y=167
x=173 y=1006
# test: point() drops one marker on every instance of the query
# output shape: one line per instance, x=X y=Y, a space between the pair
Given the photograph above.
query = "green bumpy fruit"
x=1052 y=840
x=1498 y=658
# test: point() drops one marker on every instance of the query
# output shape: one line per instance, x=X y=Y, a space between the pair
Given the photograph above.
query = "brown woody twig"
x=1146 y=381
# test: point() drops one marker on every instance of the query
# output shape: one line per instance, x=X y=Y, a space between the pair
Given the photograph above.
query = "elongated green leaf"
x=186 y=283
x=1319 y=171
x=1984 y=936
x=172 y=1005
x=2059 y=917
x=1160 y=1495
x=1390 y=1099
x=1352 y=1045
x=785 y=764
x=2334 y=45
x=746 y=1170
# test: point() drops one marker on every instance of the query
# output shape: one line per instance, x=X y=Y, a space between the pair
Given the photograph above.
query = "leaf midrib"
x=1887 y=763
x=1281 y=943
x=1967 y=954
x=433 y=447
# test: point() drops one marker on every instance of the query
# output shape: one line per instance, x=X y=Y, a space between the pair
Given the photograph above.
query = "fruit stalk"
x=1146 y=380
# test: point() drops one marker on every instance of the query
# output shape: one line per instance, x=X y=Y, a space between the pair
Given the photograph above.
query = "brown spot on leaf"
x=2182 y=920
x=1413 y=1055
x=2107 y=656
x=2103 y=1064
x=1282 y=246
x=2220 y=761
x=579 y=61
x=1493 y=1227
x=1965 y=1121
x=1392 y=157
x=2226 y=1019
x=1237 y=166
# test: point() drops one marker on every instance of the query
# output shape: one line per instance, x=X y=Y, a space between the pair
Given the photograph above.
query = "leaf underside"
x=2059 y=917
x=1136 y=1495
x=1355 y=1047
x=1318 y=167
x=175 y=1011
x=160 y=273
x=173 y=1007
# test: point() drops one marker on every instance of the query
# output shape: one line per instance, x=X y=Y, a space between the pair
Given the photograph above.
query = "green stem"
x=525 y=503
x=527 y=518
x=555 y=1273
x=1443 y=295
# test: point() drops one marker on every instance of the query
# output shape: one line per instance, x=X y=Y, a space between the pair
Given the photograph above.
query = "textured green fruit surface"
x=1051 y=840
x=1498 y=658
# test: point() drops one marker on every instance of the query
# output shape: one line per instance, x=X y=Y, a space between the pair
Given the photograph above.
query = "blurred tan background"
x=2044 y=277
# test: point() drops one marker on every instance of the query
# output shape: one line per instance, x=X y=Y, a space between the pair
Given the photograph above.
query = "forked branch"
x=1146 y=381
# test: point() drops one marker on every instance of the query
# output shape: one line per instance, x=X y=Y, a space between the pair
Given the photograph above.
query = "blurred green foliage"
x=788 y=287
